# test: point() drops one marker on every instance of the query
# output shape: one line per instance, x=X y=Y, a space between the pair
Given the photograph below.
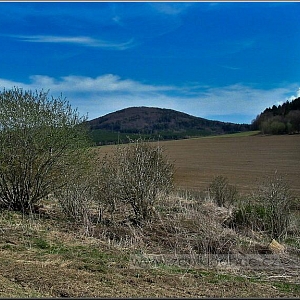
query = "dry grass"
x=52 y=258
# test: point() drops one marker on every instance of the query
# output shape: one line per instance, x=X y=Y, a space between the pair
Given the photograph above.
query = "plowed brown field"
x=243 y=160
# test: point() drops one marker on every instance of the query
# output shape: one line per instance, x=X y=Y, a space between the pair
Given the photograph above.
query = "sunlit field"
x=244 y=160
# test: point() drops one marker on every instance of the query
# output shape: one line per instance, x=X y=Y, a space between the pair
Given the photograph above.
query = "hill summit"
x=151 y=119
x=167 y=123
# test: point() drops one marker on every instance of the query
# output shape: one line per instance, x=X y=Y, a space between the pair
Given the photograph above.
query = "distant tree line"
x=281 y=119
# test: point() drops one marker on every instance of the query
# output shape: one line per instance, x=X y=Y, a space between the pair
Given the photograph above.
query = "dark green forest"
x=281 y=119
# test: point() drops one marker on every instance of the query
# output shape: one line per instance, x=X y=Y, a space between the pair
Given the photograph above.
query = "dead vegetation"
x=53 y=257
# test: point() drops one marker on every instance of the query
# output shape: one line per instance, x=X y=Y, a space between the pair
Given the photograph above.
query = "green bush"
x=251 y=215
x=42 y=141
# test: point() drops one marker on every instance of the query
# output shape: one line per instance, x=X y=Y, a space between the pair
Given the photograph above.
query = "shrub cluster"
x=267 y=209
x=45 y=149
x=136 y=174
x=223 y=193
x=42 y=141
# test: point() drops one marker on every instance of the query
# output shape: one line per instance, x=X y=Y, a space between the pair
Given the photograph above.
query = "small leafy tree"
x=137 y=174
x=42 y=139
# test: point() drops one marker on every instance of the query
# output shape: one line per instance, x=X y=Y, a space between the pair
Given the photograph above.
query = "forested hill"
x=156 y=123
x=279 y=119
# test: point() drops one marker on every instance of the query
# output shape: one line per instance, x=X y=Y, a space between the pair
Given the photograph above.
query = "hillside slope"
x=167 y=123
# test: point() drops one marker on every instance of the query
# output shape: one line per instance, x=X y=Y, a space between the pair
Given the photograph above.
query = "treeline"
x=281 y=119
x=107 y=137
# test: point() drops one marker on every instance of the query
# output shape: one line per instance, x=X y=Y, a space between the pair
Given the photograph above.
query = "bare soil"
x=243 y=160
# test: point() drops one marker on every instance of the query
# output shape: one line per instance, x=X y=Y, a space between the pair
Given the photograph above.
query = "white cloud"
x=104 y=83
x=79 y=40
x=238 y=99
x=107 y=93
x=291 y=98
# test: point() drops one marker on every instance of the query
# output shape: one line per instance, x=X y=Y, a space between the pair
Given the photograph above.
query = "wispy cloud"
x=230 y=67
x=104 y=83
x=107 y=93
x=170 y=8
x=79 y=40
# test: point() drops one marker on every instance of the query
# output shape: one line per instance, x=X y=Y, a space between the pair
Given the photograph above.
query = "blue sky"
x=224 y=61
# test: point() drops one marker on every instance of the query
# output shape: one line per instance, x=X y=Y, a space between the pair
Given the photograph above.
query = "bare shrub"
x=136 y=174
x=75 y=199
x=78 y=199
x=268 y=209
x=275 y=195
x=222 y=193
